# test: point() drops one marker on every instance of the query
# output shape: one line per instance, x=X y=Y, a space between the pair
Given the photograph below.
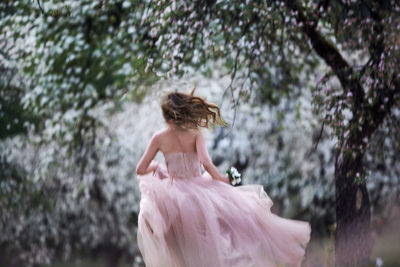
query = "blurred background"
x=80 y=91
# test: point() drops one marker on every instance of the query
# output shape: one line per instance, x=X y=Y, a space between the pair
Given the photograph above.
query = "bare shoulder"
x=167 y=134
x=158 y=135
x=161 y=132
x=200 y=133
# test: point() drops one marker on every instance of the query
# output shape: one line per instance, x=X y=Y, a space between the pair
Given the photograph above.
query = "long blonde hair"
x=188 y=111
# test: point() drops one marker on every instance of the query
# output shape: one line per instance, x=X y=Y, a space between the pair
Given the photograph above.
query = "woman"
x=190 y=219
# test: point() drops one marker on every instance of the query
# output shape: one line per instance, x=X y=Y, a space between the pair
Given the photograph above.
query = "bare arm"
x=206 y=161
x=146 y=163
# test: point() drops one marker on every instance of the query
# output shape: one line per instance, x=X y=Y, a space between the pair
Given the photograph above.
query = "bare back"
x=170 y=140
x=174 y=140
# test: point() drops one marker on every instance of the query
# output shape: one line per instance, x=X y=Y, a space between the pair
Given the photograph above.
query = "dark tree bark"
x=353 y=240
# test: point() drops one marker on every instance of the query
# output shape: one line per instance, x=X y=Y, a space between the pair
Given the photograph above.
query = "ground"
x=320 y=251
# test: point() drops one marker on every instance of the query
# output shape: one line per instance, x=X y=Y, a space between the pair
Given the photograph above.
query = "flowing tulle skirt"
x=198 y=221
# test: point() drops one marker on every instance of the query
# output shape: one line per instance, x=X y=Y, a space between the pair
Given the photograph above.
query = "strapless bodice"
x=183 y=164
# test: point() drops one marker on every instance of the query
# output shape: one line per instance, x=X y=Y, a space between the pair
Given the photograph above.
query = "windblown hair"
x=188 y=111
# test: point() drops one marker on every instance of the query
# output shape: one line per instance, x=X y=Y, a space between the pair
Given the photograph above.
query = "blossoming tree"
x=265 y=42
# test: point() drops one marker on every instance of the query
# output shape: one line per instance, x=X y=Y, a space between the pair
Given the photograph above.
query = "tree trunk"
x=353 y=239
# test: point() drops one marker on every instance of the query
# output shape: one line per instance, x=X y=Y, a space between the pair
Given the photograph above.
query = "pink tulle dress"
x=187 y=219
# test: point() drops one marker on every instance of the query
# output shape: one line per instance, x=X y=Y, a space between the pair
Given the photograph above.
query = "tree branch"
x=378 y=111
x=40 y=7
x=331 y=55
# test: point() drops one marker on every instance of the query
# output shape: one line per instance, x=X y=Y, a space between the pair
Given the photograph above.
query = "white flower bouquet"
x=234 y=176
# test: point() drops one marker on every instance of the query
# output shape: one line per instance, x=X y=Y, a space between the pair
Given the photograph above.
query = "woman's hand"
x=225 y=178
x=151 y=168
x=221 y=177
